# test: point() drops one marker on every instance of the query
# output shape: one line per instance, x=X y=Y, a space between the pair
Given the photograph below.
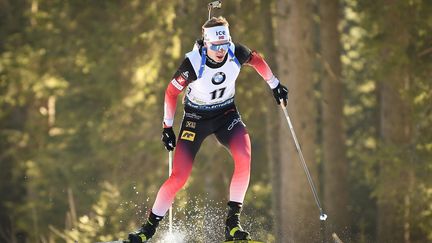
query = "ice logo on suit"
x=218 y=78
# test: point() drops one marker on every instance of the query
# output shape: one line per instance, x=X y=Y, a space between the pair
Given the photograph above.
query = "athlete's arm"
x=261 y=66
x=183 y=76
x=253 y=58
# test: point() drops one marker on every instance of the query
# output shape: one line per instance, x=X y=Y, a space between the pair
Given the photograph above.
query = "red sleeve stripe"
x=171 y=93
x=260 y=65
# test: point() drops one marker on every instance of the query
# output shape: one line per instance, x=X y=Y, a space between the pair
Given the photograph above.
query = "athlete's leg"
x=235 y=137
x=189 y=141
x=191 y=135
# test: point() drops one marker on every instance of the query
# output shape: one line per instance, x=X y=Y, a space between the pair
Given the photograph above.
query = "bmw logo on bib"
x=218 y=78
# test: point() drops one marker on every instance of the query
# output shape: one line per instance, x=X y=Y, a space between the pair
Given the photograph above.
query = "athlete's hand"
x=168 y=138
x=281 y=93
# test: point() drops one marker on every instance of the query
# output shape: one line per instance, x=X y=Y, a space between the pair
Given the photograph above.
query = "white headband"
x=217 y=33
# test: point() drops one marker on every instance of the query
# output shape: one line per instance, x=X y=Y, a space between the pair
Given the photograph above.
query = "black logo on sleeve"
x=218 y=78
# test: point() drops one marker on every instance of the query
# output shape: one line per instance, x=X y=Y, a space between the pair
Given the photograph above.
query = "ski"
x=232 y=241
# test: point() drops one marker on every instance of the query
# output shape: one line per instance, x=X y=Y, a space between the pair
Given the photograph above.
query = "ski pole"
x=169 y=174
x=323 y=216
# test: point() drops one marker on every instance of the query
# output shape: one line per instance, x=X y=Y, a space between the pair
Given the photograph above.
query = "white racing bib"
x=216 y=85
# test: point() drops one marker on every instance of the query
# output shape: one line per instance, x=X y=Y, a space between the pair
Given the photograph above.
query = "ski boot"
x=146 y=231
x=233 y=230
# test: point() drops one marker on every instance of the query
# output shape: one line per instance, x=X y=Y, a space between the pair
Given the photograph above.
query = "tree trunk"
x=273 y=123
x=395 y=128
x=299 y=214
x=334 y=152
x=394 y=131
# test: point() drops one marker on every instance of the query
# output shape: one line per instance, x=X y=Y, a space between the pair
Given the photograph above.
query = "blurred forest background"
x=81 y=95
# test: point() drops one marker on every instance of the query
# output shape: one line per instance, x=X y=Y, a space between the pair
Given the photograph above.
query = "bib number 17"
x=218 y=93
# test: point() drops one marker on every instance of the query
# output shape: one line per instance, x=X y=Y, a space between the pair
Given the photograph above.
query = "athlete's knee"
x=242 y=150
x=245 y=155
x=178 y=179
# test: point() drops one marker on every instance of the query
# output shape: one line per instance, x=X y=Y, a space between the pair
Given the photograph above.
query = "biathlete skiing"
x=207 y=75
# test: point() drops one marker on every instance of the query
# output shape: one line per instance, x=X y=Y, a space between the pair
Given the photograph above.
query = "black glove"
x=169 y=138
x=281 y=93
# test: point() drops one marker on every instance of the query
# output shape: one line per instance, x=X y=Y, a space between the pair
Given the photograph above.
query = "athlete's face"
x=217 y=50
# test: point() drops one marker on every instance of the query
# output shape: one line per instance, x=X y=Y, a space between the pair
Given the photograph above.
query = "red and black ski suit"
x=209 y=109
